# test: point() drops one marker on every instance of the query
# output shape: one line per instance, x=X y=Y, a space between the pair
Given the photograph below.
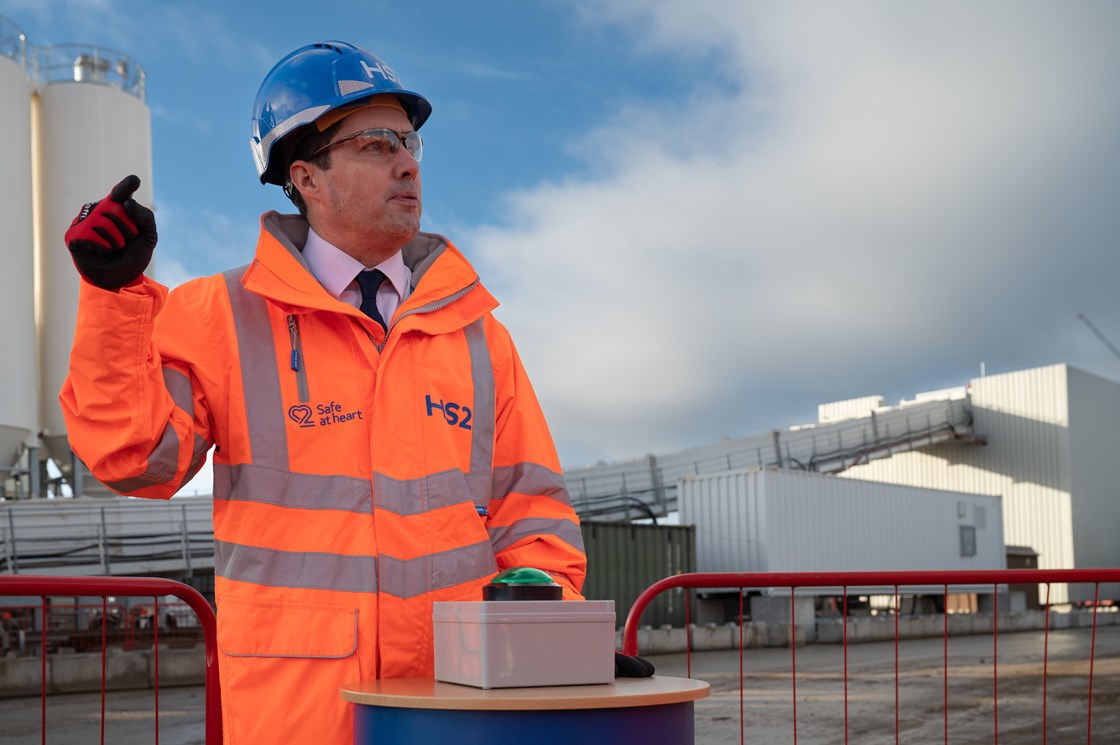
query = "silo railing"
x=85 y=63
x=13 y=42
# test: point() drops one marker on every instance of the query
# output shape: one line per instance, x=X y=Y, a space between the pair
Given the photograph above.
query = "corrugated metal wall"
x=623 y=560
x=1053 y=444
x=1094 y=413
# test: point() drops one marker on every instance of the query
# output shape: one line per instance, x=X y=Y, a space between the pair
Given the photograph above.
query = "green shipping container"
x=624 y=559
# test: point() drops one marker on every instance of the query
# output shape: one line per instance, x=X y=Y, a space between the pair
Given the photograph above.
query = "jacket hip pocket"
x=281 y=668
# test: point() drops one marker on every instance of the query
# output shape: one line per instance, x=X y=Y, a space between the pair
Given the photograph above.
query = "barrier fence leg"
x=1045 y=660
x=845 y=624
x=1092 y=658
x=896 y=609
x=155 y=650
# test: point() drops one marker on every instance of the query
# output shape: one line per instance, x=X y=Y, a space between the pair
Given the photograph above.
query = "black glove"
x=111 y=241
x=631 y=667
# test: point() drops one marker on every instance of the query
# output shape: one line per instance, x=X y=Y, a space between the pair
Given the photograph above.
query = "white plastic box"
x=520 y=643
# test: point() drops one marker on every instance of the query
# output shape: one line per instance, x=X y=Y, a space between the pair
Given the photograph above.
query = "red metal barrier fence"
x=78 y=626
x=791 y=581
x=106 y=630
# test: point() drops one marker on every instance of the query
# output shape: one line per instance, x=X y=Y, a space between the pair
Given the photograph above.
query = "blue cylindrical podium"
x=422 y=711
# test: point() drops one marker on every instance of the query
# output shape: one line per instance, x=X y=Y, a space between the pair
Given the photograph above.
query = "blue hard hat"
x=307 y=84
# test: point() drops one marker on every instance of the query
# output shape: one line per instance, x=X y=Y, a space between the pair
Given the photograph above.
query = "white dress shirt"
x=336 y=271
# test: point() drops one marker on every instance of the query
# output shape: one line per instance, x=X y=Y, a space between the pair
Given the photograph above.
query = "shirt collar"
x=335 y=269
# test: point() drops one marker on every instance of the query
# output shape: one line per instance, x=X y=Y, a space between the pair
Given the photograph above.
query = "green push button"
x=522 y=583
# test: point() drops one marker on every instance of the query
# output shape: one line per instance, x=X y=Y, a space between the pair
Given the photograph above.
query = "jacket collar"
x=439 y=272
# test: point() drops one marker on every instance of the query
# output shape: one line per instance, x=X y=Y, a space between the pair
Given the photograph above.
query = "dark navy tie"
x=369 y=282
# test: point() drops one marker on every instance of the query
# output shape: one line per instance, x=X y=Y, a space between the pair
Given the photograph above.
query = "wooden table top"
x=426 y=693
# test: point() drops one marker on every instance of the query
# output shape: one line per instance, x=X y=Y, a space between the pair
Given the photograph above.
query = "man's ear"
x=304 y=179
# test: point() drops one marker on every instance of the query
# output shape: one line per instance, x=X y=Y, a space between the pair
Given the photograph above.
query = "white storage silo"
x=93 y=130
x=18 y=410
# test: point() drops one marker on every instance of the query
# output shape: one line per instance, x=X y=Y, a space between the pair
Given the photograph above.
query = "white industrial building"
x=1052 y=454
x=1045 y=441
x=73 y=122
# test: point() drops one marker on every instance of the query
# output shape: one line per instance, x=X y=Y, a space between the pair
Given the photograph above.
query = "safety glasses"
x=379 y=143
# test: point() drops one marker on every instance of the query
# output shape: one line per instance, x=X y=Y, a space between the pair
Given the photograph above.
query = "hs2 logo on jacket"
x=323 y=415
x=454 y=414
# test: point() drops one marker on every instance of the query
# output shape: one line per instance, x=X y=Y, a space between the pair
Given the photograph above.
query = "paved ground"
x=767 y=700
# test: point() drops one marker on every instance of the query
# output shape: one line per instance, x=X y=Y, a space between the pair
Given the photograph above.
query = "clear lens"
x=385 y=142
x=380 y=143
x=414 y=145
x=377 y=142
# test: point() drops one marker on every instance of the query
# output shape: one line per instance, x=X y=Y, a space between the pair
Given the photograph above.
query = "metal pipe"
x=12 y=555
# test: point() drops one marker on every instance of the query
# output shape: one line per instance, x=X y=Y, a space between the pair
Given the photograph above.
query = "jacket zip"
x=429 y=308
x=297 y=362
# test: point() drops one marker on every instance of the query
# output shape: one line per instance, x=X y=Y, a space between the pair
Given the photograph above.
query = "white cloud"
x=57 y=10
x=194 y=240
x=888 y=193
x=195 y=34
x=206 y=36
x=169 y=271
x=198 y=124
x=490 y=72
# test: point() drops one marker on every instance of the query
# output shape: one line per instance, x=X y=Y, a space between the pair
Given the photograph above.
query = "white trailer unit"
x=769 y=520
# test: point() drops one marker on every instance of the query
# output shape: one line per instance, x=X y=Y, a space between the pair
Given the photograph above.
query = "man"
x=378 y=446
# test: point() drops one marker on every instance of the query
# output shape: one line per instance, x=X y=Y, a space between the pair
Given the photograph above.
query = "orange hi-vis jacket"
x=358 y=476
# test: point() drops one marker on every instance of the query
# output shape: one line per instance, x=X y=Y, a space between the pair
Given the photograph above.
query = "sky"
x=702 y=218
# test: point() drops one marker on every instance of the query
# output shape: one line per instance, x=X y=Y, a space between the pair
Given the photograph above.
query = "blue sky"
x=702 y=218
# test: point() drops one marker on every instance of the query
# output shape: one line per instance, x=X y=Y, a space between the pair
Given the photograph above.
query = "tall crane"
x=1104 y=339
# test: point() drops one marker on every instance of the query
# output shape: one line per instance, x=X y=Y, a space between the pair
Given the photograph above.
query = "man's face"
x=368 y=205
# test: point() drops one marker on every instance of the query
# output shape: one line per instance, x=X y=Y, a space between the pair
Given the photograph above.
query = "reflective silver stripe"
x=263 y=150
x=253 y=483
x=179 y=386
x=414 y=496
x=305 y=570
x=198 y=457
x=482 y=375
x=403 y=578
x=412 y=577
x=530 y=478
x=505 y=536
x=163 y=462
x=260 y=377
